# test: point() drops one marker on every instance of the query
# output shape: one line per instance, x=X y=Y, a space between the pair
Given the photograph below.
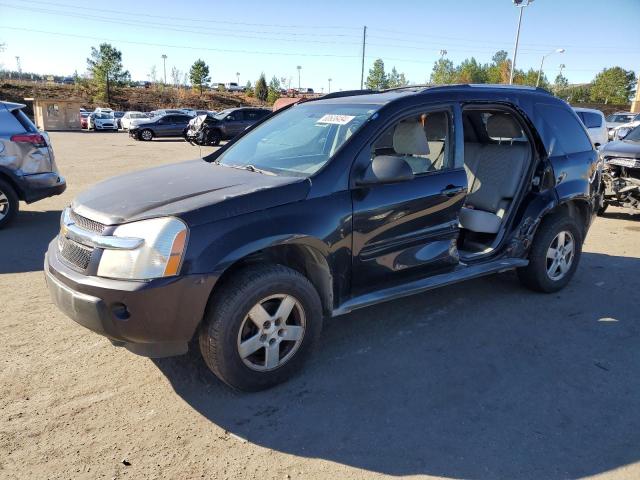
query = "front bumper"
x=156 y=318
x=41 y=185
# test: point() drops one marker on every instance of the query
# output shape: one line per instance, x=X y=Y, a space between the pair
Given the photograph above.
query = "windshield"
x=104 y=116
x=298 y=141
x=138 y=115
x=222 y=114
x=633 y=135
x=619 y=118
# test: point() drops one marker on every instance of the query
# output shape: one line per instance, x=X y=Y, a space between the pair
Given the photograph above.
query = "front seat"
x=494 y=172
x=410 y=142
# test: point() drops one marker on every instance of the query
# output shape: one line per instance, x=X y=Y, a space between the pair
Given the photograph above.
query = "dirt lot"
x=482 y=380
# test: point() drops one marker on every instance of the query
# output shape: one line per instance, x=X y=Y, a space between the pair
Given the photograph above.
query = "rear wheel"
x=260 y=327
x=9 y=204
x=554 y=255
x=146 y=135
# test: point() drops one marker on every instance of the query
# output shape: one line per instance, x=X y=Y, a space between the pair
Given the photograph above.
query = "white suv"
x=596 y=125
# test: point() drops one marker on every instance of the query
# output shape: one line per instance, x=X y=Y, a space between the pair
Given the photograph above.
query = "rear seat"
x=493 y=173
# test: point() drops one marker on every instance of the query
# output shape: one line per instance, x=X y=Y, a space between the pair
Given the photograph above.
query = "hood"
x=621 y=148
x=196 y=191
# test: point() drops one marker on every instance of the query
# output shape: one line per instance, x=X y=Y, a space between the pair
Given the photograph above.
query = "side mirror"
x=386 y=169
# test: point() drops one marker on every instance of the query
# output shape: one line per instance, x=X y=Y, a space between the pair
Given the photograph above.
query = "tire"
x=603 y=208
x=146 y=135
x=214 y=138
x=9 y=204
x=536 y=275
x=227 y=325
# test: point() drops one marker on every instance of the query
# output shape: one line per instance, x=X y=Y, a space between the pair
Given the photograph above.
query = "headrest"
x=409 y=139
x=435 y=126
x=501 y=125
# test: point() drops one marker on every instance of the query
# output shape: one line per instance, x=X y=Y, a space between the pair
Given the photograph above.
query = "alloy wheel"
x=560 y=255
x=4 y=205
x=146 y=135
x=271 y=332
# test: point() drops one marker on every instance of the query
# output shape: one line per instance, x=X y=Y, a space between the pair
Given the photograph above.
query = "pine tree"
x=377 y=79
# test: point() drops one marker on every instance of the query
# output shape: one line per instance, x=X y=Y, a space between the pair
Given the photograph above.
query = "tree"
x=261 y=89
x=377 y=79
x=153 y=74
x=176 y=76
x=470 y=71
x=396 y=79
x=499 y=69
x=105 y=65
x=613 y=85
x=248 y=87
x=199 y=74
x=560 y=83
x=530 y=77
x=443 y=72
x=274 y=90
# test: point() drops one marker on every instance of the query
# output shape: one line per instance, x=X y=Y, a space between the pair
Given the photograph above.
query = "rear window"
x=14 y=122
x=564 y=134
x=591 y=120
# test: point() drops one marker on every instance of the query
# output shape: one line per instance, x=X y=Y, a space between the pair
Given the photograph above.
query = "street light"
x=521 y=4
x=164 y=66
x=238 y=77
x=557 y=50
x=299 y=67
x=329 y=86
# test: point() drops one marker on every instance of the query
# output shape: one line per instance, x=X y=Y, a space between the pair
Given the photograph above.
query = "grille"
x=74 y=253
x=87 y=224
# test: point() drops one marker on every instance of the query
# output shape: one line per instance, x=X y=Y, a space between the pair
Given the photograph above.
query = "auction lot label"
x=336 y=119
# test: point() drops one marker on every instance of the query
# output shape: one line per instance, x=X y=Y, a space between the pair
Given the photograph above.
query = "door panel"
x=405 y=230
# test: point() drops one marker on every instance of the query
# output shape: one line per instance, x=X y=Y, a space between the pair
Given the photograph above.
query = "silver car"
x=28 y=169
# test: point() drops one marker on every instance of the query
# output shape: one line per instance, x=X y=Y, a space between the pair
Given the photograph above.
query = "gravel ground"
x=481 y=380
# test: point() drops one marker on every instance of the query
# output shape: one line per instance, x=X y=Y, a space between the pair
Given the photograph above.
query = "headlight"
x=160 y=255
x=622 y=132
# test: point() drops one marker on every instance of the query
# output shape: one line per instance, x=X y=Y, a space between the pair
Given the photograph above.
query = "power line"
x=172 y=28
x=192 y=19
x=187 y=47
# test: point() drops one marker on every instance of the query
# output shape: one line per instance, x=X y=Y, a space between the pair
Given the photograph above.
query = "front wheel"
x=260 y=327
x=554 y=255
x=214 y=138
x=146 y=135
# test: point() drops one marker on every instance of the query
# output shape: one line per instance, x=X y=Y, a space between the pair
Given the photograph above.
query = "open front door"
x=409 y=229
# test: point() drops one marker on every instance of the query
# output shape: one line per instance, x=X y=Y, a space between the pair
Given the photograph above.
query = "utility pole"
x=164 y=66
x=19 y=67
x=520 y=4
x=299 y=67
x=329 y=86
x=238 y=77
x=364 y=45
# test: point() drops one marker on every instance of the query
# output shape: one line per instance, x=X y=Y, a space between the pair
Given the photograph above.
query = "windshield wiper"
x=251 y=168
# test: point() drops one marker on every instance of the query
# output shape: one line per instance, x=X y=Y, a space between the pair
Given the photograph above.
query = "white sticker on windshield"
x=336 y=119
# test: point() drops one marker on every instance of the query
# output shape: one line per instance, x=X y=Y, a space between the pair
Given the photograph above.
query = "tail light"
x=35 y=139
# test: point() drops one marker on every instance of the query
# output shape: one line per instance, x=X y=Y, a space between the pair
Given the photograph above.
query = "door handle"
x=451 y=190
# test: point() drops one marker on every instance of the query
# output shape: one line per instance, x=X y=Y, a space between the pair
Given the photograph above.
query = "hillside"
x=126 y=98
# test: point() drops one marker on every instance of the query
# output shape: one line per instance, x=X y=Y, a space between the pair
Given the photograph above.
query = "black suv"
x=325 y=207
x=168 y=125
x=211 y=129
x=28 y=168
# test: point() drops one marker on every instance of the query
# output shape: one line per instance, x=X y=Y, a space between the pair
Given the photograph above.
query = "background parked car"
x=166 y=111
x=172 y=125
x=118 y=116
x=623 y=130
x=84 y=118
x=616 y=119
x=224 y=125
x=102 y=121
x=28 y=169
x=596 y=125
x=129 y=117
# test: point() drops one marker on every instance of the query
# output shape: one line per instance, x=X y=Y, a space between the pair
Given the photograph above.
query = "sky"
x=324 y=38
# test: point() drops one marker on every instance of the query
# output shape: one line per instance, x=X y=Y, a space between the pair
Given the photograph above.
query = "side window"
x=592 y=120
x=563 y=134
x=251 y=115
x=234 y=117
x=422 y=140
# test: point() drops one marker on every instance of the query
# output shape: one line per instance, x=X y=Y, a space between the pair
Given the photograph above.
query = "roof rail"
x=347 y=93
x=420 y=86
